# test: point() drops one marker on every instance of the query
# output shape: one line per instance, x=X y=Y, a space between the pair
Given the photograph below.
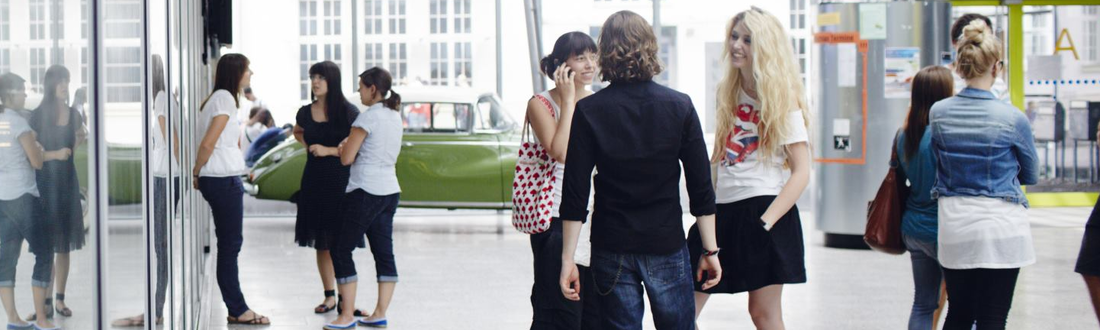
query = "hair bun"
x=976 y=32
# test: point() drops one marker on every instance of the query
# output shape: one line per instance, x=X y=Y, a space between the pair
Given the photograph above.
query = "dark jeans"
x=160 y=233
x=371 y=215
x=21 y=219
x=551 y=309
x=667 y=280
x=226 y=198
x=979 y=295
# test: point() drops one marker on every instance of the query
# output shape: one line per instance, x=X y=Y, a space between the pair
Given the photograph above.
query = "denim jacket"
x=984 y=147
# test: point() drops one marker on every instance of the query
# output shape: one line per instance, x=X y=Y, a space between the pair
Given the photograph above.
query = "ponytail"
x=381 y=79
x=393 y=101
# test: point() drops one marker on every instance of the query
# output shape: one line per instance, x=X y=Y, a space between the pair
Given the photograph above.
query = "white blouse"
x=226 y=161
x=162 y=157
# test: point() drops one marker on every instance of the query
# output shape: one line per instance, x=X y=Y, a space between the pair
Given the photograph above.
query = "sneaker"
x=332 y=326
x=27 y=326
x=381 y=323
x=36 y=327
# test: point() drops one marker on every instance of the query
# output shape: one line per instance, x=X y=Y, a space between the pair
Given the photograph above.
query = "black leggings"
x=979 y=295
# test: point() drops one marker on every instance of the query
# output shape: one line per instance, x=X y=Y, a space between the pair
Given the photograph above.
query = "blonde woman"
x=762 y=135
x=985 y=151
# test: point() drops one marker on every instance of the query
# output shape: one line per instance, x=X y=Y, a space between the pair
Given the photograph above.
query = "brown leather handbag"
x=883 y=232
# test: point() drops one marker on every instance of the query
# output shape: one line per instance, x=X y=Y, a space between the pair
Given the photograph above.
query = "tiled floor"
x=457 y=272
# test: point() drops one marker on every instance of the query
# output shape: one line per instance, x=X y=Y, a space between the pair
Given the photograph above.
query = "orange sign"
x=836 y=37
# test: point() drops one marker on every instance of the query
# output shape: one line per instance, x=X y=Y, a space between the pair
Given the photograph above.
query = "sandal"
x=340 y=308
x=256 y=319
x=49 y=311
x=322 y=308
x=66 y=312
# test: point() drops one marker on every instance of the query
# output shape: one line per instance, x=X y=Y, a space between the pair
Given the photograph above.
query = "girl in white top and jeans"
x=20 y=209
x=371 y=197
x=217 y=174
x=572 y=65
x=162 y=161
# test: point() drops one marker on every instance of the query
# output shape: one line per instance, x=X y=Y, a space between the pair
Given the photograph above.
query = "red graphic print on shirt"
x=744 y=140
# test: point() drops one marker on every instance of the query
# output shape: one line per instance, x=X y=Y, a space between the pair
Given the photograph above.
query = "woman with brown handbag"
x=918 y=222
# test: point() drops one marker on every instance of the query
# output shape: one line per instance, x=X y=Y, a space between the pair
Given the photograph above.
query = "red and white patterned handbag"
x=533 y=185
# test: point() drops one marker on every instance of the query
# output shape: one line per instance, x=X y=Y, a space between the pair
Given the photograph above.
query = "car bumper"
x=250 y=188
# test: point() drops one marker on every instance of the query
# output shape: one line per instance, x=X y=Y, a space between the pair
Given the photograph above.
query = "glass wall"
x=48 y=142
x=96 y=230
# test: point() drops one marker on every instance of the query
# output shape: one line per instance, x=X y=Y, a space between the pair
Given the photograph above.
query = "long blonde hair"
x=778 y=84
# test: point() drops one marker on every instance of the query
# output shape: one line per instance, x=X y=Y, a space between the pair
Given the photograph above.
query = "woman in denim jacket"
x=985 y=151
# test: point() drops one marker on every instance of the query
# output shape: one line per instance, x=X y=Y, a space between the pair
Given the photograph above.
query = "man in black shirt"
x=637 y=132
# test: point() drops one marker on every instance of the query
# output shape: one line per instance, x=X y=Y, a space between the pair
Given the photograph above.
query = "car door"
x=491 y=118
x=443 y=162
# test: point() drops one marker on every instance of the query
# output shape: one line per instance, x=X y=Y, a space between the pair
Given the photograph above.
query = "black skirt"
x=751 y=257
x=60 y=195
x=1088 y=260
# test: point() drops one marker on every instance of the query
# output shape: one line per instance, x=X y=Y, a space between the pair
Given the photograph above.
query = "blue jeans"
x=371 y=215
x=160 y=233
x=20 y=219
x=618 y=286
x=927 y=277
x=226 y=198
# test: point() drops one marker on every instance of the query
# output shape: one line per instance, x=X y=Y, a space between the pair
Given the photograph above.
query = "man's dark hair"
x=963 y=21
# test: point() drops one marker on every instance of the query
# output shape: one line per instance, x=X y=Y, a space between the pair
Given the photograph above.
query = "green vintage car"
x=458 y=151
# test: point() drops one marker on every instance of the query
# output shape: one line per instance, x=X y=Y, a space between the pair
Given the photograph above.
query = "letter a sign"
x=1058 y=45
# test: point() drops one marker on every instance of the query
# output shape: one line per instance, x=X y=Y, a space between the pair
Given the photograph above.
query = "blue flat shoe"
x=27 y=326
x=373 y=324
x=36 y=327
x=332 y=326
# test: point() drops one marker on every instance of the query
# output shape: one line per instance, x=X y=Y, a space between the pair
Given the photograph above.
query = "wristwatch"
x=710 y=253
x=767 y=226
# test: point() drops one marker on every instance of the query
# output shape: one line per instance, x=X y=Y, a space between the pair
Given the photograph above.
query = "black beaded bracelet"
x=711 y=253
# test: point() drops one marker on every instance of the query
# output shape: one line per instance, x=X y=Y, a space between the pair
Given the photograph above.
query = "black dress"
x=57 y=180
x=323 y=182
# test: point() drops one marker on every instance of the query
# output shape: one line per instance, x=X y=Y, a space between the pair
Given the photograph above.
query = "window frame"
x=431 y=129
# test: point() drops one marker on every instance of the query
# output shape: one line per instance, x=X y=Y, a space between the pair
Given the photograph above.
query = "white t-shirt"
x=162 y=157
x=226 y=160
x=741 y=174
x=983 y=232
x=374 y=169
x=16 y=174
x=583 y=254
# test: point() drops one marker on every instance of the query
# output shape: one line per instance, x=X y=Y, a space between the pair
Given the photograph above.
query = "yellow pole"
x=1016 y=54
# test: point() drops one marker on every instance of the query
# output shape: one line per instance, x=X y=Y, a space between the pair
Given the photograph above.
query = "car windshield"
x=491 y=116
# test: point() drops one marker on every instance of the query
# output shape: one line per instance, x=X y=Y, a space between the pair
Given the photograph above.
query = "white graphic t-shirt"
x=741 y=174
